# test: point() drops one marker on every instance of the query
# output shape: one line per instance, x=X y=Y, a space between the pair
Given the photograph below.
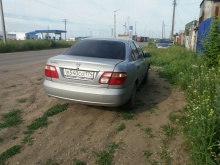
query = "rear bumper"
x=88 y=95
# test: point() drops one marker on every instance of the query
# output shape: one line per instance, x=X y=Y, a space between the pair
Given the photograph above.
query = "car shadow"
x=148 y=95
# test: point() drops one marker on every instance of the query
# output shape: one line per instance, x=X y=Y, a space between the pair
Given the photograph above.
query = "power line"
x=190 y=3
x=189 y=11
x=178 y=16
x=66 y=11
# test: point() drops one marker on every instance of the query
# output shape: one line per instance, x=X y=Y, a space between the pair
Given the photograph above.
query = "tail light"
x=113 y=78
x=51 y=71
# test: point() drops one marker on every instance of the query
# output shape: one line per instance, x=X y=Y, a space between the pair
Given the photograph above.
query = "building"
x=180 y=38
x=208 y=9
x=45 y=34
x=191 y=35
x=16 y=36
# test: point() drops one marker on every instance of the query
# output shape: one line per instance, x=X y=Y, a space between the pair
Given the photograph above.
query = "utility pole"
x=173 y=21
x=65 y=21
x=126 y=31
x=3 y=22
x=115 y=23
x=135 y=29
x=163 y=30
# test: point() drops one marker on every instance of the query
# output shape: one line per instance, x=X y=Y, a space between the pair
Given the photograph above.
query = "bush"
x=16 y=46
x=202 y=88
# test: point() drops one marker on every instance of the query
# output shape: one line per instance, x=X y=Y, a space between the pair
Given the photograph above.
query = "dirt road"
x=84 y=132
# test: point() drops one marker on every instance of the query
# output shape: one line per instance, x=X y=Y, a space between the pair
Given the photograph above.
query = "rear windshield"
x=99 y=49
x=164 y=41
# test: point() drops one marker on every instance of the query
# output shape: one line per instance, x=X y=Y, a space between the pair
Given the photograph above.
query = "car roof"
x=125 y=40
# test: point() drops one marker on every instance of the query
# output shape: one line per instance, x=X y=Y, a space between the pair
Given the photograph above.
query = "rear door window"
x=134 y=51
x=98 y=49
x=140 y=52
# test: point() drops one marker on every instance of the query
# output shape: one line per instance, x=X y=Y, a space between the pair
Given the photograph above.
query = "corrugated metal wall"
x=204 y=28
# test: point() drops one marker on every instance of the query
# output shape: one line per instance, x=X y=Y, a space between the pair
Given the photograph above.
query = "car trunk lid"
x=82 y=70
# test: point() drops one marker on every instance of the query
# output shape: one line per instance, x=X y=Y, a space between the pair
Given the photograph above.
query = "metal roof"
x=47 y=31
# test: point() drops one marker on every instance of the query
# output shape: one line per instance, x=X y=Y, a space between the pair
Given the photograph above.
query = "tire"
x=130 y=104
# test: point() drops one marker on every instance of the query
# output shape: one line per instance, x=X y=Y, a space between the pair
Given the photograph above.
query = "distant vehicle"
x=104 y=72
x=163 y=43
x=142 y=39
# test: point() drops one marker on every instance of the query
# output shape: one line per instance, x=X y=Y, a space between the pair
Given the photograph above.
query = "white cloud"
x=97 y=16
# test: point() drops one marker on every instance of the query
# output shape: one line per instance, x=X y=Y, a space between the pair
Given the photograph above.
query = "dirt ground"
x=81 y=130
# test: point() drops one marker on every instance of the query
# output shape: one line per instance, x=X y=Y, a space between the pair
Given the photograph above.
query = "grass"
x=180 y=119
x=78 y=162
x=153 y=107
x=22 y=100
x=11 y=119
x=9 y=153
x=27 y=45
x=147 y=153
x=56 y=109
x=105 y=157
x=165 y=157
x=200 y=84
x=168 y=130
x=127 y=116
x=137 y=125
x=39 y=79
x=148 y=131
x=39 y=122
x=42 y=121
x=1 y=139
x=51 y=162
x=28 y=139
x=121 y=127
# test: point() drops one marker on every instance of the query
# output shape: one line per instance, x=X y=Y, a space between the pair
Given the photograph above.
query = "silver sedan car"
x=98 y=71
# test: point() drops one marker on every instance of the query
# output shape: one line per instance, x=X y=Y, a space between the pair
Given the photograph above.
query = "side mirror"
x=147 y=55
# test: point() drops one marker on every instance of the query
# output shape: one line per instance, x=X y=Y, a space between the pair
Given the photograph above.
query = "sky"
x=96 y=17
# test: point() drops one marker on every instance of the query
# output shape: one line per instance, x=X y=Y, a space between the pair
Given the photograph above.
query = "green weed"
x=9 y=153
x=28 y=139
x=56 y=109
x=165 y=157
x=127 y=116
x=137 y=125
x=83 y=150
x=43 y=120
x=168 y=130
x=121 y=127
x=11 y=119
x=199 y=78
x=105 y=157
x=1 y=139
x=51 y=162
x=147 y=153
x=22 y=100
x=36 y=124
x=78 y=162
x=153 y=107
x=148 y=131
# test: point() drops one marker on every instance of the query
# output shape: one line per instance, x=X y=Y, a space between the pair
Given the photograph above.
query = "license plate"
x=73 y=73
